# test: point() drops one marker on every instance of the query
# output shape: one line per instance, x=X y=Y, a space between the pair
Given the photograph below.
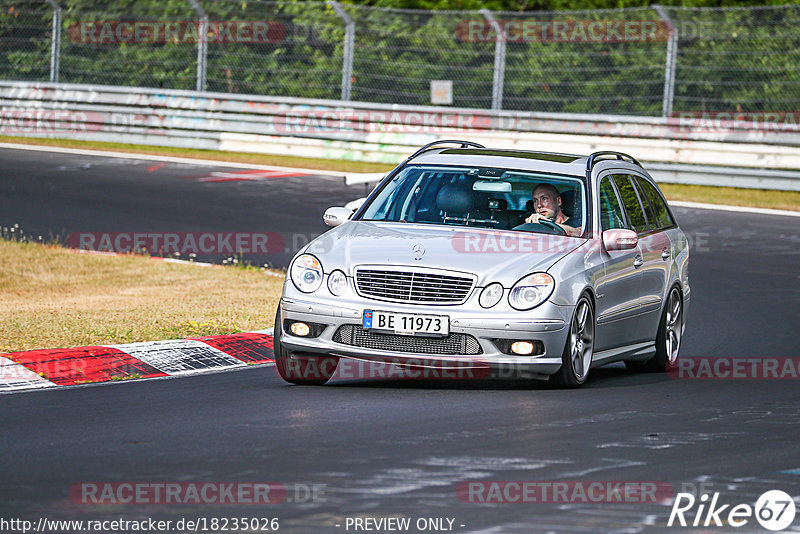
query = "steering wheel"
x=553 y=225
x=544 y=226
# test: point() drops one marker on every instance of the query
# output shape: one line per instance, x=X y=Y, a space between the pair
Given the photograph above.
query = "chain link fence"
x=641 y=61
x=738 y=59
x=26 y=34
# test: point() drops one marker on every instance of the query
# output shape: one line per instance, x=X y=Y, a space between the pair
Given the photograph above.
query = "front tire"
x=300 y=370
x=579 y=348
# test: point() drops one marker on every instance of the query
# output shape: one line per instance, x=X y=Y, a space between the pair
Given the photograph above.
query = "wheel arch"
x=588 y=290
x=675 y=284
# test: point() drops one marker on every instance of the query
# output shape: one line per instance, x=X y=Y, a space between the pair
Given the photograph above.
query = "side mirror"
x=355 y=204
x=620 y=239
x=336 y=216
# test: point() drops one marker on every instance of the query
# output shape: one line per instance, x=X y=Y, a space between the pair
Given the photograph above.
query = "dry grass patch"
x=734 y=196
x=51 y=297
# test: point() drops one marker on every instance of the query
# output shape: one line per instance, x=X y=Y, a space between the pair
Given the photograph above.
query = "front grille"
x=413 y=286
x=453 y=343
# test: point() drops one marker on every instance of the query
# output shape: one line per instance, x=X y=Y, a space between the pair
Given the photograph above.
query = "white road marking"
x=169 y=159
x=738 y=209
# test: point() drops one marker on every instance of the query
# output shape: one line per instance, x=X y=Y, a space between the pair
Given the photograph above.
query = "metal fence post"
x=498 y=80
x=55 y=48
x=202 y=44
x=672 y=61
x=349 y=43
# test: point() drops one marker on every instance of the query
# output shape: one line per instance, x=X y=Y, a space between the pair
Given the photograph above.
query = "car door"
x=656 y=251
x=619 y=288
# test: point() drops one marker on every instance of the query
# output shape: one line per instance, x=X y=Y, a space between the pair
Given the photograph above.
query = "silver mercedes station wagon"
x=470 y=257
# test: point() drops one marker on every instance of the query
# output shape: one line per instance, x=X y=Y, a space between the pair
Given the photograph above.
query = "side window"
x=631 y=202
x=659 y=208
x=648 y=210
x=611 y=214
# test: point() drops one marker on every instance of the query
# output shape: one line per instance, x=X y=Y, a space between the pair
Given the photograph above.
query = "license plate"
x=410 y=324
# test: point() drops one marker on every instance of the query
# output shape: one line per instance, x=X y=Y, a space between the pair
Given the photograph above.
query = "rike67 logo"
x=774 y=510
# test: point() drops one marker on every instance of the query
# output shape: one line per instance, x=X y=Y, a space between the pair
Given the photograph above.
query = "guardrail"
x=682 y=152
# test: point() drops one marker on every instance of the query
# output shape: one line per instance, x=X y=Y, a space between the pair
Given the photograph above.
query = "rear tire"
x=300 y=370
x=668 y=337
x=579 y=348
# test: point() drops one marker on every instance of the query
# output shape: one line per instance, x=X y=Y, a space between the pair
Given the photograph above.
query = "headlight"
x=337 y=282
x=530 y=291
x=307 y=273
x=491 y=295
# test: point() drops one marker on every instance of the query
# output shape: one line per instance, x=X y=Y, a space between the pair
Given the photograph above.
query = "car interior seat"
x=455 y=200
x=571 y=206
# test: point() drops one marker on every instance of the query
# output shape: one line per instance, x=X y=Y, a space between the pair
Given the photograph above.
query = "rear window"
x=631 y=201
x=658 y=208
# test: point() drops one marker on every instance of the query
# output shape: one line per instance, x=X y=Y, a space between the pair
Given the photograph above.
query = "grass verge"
x=53 y=297
x=734 y=196
x=757 y=198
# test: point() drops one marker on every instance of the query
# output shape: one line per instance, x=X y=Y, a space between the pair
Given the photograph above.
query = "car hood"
x=492 y=255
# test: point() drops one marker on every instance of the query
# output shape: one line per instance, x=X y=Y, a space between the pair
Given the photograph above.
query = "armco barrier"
x=676 y=149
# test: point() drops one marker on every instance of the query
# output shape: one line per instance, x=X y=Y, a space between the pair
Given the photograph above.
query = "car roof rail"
x=464 y=144
x=595 y=157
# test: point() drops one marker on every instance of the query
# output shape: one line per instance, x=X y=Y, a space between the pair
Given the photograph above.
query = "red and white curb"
x=36 y=369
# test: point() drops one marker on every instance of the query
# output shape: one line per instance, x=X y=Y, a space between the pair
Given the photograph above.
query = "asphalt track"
x=63 y=195
x=393 y=448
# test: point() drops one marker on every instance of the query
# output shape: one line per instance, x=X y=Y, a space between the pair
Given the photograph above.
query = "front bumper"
x=546 y=323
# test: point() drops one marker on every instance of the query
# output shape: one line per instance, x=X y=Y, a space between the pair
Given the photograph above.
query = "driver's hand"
x=535 y=218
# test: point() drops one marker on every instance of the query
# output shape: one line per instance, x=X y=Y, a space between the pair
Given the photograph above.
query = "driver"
x=547 y=205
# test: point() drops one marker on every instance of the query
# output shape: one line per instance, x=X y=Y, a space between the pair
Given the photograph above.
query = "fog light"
x=300 y=329
x=523 y=348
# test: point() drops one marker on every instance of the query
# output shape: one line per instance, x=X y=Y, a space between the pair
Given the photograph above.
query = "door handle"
x=666 y=254
x=638 y=262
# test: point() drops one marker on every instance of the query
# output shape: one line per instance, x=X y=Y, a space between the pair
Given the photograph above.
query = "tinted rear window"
x=631 y=202
x=661 y=216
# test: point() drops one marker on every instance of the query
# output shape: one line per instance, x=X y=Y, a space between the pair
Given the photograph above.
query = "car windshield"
x=483 y=197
